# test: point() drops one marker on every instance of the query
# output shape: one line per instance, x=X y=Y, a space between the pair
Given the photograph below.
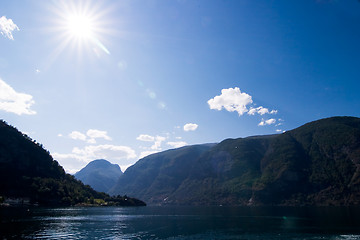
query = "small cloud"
x=279 y=130
x=77 y=136
x=90 y=135
x=177 y=144
x=94 y=133
x=231 y=99
x=179 y=138
x=190 y=127
x=157 y=143
x=261 y=111
x=37 y=71
x=7 y=26
x=280 y=122
x=14 y=102
x=59 y=135
x=156 y=140
x=145 y=138
x=267 y=122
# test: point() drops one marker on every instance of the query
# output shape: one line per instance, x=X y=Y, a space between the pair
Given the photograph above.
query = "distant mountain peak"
x=102 y=163
x=100 y=174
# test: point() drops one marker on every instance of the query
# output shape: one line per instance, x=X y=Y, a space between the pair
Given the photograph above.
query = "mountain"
x=157 y=175
x=315 y=164
x=100 y=174
x=29 y=174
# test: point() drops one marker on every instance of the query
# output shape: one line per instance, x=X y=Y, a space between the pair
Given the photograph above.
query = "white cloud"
x=190 y=127
x=231 y=99
x=90 y=153
x=91 y=141
x=7 y=26
x=252 y=111
x=280 y=122
x=267 y=122
x=90 y=135
x=77 y=136
x=146 y=153
x=261 y=110
x=279 y=130
x=145 y=138
x=157 y=143
x=14 y=102
x=156 y=140
x=177 y=144
x=59 y=135
x=94 y=133
x=74 y=161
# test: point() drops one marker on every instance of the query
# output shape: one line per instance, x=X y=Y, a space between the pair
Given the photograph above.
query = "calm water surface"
x=180 y=223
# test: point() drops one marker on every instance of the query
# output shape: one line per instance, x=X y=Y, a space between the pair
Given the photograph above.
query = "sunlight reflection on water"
x=185 y=223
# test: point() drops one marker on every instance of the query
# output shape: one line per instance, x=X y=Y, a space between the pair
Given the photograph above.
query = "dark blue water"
x=181 y=223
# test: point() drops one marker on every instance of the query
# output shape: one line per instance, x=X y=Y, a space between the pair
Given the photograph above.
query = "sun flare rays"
x=81 y=27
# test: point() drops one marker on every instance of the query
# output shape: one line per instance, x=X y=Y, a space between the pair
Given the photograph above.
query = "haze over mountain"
x=100 y=174
x=315 y=164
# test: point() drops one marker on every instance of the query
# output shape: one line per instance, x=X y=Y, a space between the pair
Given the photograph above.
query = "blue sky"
x=122 y=79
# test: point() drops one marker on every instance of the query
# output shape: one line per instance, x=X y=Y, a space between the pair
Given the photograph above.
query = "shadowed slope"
x=315 y=164
x=100 y=174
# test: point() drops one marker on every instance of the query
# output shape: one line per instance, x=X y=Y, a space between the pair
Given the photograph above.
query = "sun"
x=80 y=27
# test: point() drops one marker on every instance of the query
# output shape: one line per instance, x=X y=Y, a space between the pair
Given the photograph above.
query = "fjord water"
x=181 y=223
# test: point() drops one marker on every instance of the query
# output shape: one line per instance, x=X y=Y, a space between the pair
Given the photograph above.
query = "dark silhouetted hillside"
x=27 y=171
x=315 y=164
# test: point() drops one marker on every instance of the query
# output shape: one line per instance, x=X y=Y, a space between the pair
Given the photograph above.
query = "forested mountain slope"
x=27 y=171
x=315 y=164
